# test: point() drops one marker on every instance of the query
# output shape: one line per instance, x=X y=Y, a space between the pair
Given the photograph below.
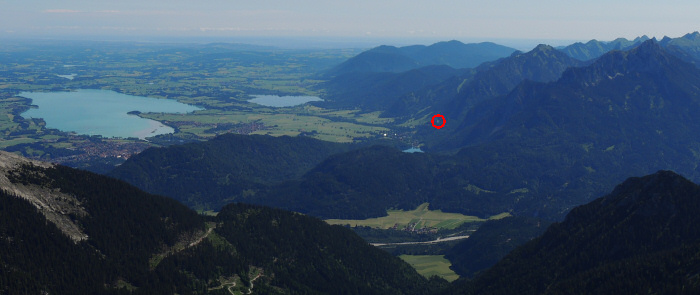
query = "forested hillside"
x=641 y=238
x=382 y=90
x=137 y=243
x=210 y=174
x=493 y=241
x=455 y=98
x=557 y=145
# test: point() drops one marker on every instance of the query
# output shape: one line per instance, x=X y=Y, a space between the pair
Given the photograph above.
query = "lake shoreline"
x=102 y=112
x=155 y=128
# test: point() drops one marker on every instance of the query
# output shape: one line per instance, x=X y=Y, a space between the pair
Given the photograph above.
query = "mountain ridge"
x=455 y=96
x=378 y=91
x=686 y=47
x=643 y=219
x=562 y=143
x=594 y=48
x=398 y=59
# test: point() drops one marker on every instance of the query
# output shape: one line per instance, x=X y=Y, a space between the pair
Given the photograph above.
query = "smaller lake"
x=69 y=77
x=282 y=101
x=102 y=112
x=413 y=150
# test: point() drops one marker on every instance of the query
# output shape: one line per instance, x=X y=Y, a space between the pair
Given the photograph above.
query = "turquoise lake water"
x=102 y=112
x=413 y=150
x=282 y=101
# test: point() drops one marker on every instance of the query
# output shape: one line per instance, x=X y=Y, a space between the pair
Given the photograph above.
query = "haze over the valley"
x=520 y=24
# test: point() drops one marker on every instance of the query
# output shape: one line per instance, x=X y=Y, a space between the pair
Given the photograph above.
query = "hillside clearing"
x=431 y=265
x=421 y=217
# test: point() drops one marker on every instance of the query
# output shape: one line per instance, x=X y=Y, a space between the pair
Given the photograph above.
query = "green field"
x=14 y=141
x=431 y=265
x=422 y=217
x=290 y=122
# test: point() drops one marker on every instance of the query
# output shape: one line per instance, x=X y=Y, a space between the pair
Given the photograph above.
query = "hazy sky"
x=434 y=19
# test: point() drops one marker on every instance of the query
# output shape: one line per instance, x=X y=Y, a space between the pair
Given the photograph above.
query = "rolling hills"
x=208 y=175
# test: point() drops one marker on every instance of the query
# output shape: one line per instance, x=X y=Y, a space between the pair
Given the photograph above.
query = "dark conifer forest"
x=135 y=245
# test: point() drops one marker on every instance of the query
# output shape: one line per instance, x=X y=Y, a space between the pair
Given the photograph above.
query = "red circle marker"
x=432 y=121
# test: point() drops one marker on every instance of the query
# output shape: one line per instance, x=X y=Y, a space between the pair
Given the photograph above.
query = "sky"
x=464 y=20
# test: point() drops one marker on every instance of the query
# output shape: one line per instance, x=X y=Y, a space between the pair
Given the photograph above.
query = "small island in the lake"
x=135 y=113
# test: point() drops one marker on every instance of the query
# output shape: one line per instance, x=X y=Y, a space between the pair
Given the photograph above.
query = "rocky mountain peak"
x=543 y=48
x=692 y=36
x=54 y=205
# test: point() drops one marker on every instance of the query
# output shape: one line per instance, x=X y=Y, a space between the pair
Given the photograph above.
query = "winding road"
x=439 y=240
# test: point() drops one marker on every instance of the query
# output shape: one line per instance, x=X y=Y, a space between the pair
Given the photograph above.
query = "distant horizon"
x=313 y=42
x=360 y=22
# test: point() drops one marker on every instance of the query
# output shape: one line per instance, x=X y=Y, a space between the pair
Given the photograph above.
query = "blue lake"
x=102 y=112
x=413 y=150
x=69 y=77
x=282 y=101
